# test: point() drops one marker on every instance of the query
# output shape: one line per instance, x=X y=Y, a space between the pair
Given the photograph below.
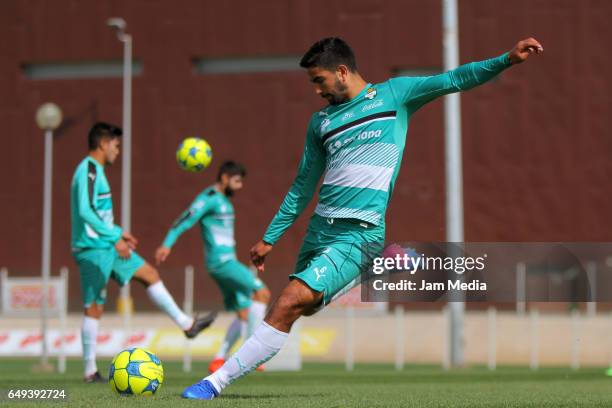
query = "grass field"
x=328 y=386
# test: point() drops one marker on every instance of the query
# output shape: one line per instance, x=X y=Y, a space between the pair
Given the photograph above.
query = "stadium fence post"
x=399 y=338
x=591 y=270
x=534 y=340
x=63 y=311
x=492 y=329
x=521 y=288
x=575 y=359
x=188 y=308
x=350 y=346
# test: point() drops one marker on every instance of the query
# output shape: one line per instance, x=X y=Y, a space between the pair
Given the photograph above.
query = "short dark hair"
x=328 y=53
x=231 y=168
x=102 y=130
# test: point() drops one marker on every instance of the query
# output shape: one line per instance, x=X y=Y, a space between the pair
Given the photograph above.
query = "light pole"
x=119 y=25
x=454 y=177
x=48 y=118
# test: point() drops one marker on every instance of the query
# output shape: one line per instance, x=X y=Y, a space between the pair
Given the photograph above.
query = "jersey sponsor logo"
x=371 y=93
x=369 y=134
x=333 y=147
x=373 y=105
x=347 y=115
x=365 y=135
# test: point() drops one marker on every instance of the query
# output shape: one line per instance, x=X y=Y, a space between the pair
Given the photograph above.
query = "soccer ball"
x=194 y=154
x=136 y=371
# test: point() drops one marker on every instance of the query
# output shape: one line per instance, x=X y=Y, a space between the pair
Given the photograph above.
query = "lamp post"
x=454 y=177
x=119 y=25
x=48 y=118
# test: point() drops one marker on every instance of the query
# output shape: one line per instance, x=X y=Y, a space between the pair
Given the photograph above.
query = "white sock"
x=257 y=312
x=256 y=350
x=234 y=331
x=89 y=337
x=163 y=299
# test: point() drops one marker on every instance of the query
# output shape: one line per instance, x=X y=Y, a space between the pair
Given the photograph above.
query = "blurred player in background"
x=103 y=250
x=242 y=291
x=356 y=143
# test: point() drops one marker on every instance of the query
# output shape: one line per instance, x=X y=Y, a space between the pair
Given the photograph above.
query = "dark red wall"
x=536 y=141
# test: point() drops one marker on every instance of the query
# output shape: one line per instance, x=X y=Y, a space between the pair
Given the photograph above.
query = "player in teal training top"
x=103 y=250
x=242 y=291
x=355 y=144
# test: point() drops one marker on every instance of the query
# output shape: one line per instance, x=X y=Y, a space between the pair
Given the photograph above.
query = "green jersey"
x=215 y=214
x=91 y=208
x=357 y=146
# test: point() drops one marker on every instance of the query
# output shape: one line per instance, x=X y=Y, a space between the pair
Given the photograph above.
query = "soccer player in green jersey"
x=242 y=291
x=356 y=144
x=103 y=250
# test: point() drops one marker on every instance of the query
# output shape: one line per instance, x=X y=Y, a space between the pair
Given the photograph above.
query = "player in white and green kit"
x=242 y=291
x=103 y=250
x=355 y=144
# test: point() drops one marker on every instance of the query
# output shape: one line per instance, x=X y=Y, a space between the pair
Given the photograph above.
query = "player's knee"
x=243 y=314
x=292 y=303
x=148 y=275
x=153 y=276
x=94 y=310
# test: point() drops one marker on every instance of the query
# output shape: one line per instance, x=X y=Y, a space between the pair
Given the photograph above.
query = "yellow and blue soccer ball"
x=136 y=371
x=194 y=154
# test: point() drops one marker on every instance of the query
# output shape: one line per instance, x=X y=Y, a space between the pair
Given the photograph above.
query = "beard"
x=228 y=191
x=338 y=95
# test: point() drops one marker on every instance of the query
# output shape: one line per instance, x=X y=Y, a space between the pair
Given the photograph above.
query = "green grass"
x=328 y=386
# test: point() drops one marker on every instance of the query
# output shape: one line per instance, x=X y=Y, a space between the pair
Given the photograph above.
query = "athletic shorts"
x=237 y=283
x=96 y=266
x=334 y=253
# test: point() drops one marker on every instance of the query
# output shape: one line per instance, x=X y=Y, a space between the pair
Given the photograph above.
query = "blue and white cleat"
x=202 y=390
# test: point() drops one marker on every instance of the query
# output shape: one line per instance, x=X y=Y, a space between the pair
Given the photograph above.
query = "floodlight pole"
x=126 y=161
x=454 y=176
x=46 y=247
x=48 y=118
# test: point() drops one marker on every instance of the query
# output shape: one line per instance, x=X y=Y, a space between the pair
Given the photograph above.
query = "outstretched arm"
x=417 y=91
x=185 y=221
